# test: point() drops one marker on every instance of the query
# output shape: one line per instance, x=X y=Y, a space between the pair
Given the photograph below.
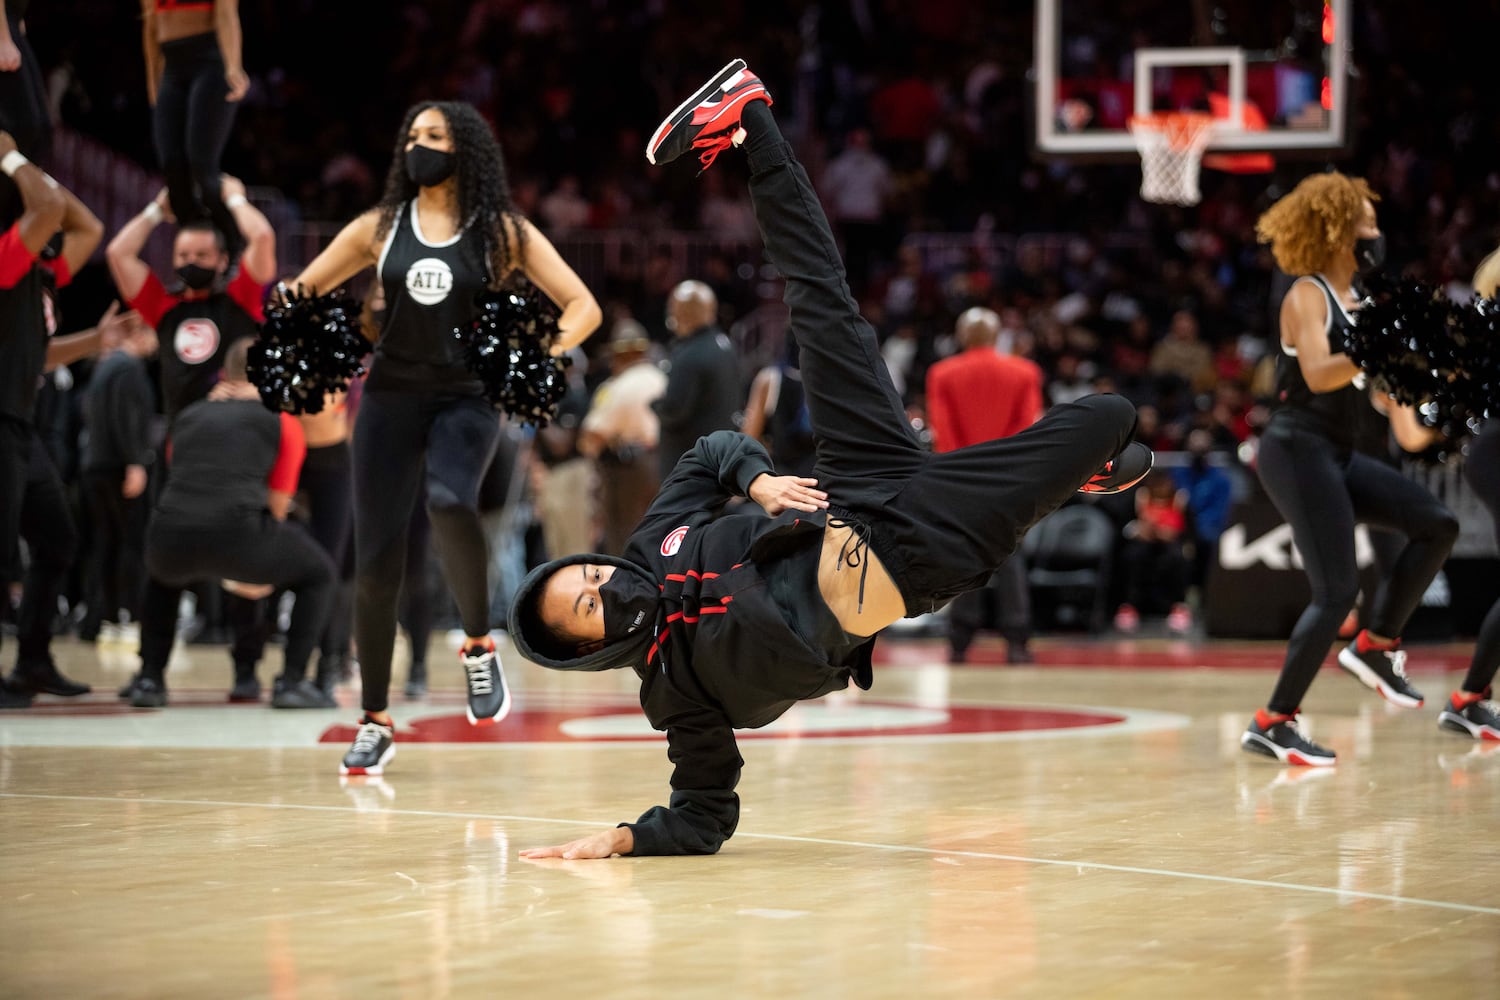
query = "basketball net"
x=1171 y=145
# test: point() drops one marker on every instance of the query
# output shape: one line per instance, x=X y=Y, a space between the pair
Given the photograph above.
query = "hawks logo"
x=196 y=340
x=673 y=542
x=429 y=281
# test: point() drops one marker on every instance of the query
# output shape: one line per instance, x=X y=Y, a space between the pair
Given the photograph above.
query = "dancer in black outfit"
x=729 y=621
x=1310 y=465
x=444 y=230
x=195 y=79
x=54 y=236
x=1469 y=710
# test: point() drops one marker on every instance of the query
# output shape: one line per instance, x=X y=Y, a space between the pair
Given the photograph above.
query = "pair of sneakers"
x=1380 y=668
x=489 y=702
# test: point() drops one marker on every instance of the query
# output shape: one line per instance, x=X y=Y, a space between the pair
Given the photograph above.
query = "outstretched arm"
x=704 y=809
x=351 y=251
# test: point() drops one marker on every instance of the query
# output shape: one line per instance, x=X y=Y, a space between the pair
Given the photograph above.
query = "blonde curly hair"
x=1307 y=227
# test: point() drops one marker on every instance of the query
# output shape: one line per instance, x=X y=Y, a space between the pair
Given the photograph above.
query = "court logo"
x=673 y=542
x=196 y=340
x=429 y=281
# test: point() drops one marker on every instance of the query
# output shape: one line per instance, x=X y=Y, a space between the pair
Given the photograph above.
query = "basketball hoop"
x=1171 y=144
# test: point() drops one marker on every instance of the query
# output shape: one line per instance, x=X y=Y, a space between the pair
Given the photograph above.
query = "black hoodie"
x=722 y=653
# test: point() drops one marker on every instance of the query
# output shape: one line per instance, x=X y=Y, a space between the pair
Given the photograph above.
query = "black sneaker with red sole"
x=1123 y=471
x=709 y=120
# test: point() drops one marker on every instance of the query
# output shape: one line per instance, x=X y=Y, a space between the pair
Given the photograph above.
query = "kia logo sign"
x=1276 y=550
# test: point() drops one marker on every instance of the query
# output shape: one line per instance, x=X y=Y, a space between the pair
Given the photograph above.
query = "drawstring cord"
x=855 y=552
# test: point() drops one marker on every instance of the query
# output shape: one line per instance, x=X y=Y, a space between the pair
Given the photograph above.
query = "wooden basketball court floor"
x=1085 y=827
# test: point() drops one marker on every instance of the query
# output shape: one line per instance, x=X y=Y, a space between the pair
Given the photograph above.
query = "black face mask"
x=629 y=603
x=1370 y=253
x=428 y=167
x=196 y=276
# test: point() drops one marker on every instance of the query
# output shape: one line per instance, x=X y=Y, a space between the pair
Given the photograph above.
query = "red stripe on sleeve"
x=289 y=456
x=15 y=259
x=152 y=301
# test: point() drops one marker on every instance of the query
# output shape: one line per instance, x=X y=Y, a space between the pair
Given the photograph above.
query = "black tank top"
x=1343 y=416
x=430 y=289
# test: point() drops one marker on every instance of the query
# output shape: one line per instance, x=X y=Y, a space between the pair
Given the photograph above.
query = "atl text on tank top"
x=1336 y=415
x=430 y=289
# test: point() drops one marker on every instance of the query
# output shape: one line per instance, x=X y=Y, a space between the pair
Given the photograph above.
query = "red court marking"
x=545 y=726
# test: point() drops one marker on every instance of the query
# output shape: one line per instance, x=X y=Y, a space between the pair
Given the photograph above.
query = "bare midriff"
x=174 y=24
x=839 y=583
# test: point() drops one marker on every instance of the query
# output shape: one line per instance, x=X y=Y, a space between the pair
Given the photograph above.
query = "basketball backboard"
x=1275 y=73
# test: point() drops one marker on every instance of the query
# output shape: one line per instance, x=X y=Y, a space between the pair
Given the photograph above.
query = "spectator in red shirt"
x=981 y=395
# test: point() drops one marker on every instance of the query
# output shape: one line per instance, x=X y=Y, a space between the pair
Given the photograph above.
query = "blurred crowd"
x=914 y=119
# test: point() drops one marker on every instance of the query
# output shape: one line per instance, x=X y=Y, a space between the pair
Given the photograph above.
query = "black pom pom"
x=506 y=347
x=309 y=345
x=1428 y=351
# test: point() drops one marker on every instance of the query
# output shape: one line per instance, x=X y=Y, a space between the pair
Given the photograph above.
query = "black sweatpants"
x=1322 y=490
x=1482 y=468
x=191 y=124
x=256 y=549
x=33 y=506
x=119 y=540
x=940 y=523
x=403 y=439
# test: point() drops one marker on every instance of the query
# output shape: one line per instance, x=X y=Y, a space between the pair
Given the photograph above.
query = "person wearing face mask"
x=197 y=312
x=728 y=621
x=203 y=308
x=445 y=231
x=1310 y=463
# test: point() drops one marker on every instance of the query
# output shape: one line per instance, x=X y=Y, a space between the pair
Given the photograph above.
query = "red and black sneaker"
x=709 y=121
x=1121 y=472
x=1279 y=737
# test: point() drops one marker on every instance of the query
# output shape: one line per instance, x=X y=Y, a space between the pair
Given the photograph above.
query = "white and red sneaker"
x=374 y=746
x=489 y=700
x=1123 y=471
x=708 y=121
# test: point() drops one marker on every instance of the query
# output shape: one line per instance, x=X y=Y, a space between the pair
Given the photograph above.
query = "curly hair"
x=1307 y=227
x=484 y=197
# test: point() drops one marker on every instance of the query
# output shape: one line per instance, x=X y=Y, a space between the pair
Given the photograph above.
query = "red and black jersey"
x=224 y=456
x=28 y=316
x=195 y=333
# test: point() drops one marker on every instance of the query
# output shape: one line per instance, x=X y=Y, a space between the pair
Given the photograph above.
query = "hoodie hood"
x=536 y=642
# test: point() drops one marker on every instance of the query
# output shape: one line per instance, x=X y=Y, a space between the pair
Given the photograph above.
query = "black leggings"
x=257 y=549
x=941 y=524
x=24 y=114
x=191 y=124
x=401 y=440
x=328 y=484
x=1322 y=490
x=33 y=506
x=1482 y=467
